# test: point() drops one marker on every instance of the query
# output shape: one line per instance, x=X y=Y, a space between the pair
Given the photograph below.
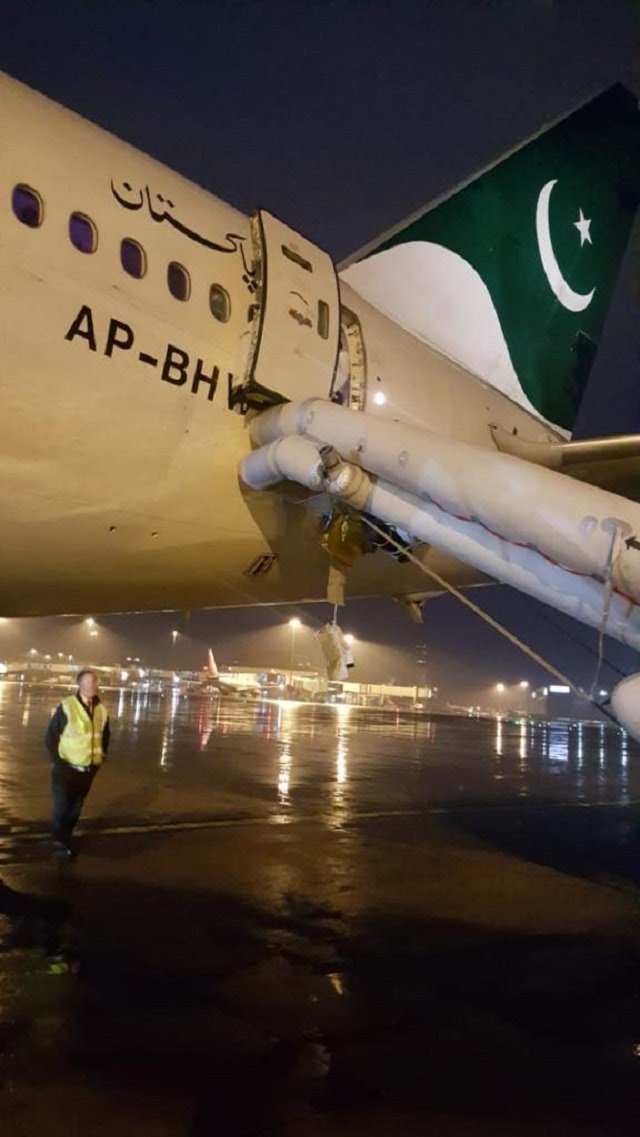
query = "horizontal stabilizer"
x=610 y=463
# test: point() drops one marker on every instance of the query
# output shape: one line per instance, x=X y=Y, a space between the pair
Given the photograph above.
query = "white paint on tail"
x=438 y=297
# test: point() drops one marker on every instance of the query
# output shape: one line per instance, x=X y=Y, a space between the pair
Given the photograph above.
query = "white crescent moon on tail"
x=574 y=301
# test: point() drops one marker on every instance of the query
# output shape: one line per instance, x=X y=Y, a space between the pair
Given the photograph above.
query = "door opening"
x=290 y=346
x=350 y=380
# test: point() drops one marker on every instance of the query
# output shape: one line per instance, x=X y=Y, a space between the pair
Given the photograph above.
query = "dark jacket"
x=58 y=723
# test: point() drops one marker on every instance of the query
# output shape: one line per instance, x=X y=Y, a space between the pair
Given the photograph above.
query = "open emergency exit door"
x=293 y=346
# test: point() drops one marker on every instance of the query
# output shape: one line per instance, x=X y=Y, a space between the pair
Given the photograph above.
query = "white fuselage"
x=120 y=454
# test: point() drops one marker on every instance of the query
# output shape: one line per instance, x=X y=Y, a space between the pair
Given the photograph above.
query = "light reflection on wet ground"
x=170 y=751
x=302 y=919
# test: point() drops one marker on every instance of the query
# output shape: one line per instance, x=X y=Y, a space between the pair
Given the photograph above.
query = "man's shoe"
x=63 y=851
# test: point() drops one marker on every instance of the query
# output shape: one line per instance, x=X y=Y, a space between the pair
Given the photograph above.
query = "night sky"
x=343 y=118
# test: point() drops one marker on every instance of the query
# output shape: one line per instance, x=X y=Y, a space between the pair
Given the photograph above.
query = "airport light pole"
x=294 y=625
x=526 y=686
x=92 y=627
x=422 y=663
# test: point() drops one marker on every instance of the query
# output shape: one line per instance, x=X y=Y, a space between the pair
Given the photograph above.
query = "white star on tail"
x=583 y=225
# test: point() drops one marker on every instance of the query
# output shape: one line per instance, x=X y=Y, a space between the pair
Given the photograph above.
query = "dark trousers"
x=69 y=787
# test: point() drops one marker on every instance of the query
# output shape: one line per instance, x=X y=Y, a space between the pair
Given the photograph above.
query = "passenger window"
x=27 y=206
x=133 y=258
x=82 y=233
x=179 y=281
x=323 y=319
x=220 y=303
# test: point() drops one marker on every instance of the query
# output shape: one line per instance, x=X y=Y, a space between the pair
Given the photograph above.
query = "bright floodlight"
x=380 y=398
x=500 y=687
x=295 y=623
x=524 y=683
x=33 y=651
x=349 y=638
x=90 y=622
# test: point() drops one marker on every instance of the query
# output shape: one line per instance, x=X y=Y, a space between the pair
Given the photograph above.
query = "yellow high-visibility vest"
x=81 y=740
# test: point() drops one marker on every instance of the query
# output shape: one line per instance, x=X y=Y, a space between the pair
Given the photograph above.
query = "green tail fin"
x=513 y=274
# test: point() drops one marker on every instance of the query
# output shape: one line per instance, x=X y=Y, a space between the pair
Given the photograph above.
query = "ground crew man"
x=77 y=740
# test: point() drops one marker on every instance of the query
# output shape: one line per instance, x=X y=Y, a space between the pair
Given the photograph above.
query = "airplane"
x=214 y=681
x=200 y=409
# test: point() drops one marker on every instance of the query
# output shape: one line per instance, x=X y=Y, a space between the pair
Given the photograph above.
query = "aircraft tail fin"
x=512 y=274
x=212 y=666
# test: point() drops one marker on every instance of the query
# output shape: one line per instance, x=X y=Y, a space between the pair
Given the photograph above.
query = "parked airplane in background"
x=413 y=410
x=213 y=680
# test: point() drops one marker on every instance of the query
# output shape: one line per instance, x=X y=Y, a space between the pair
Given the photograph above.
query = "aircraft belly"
x=62 y=565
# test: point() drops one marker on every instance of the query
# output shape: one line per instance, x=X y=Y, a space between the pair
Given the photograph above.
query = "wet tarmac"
x=301 y=920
